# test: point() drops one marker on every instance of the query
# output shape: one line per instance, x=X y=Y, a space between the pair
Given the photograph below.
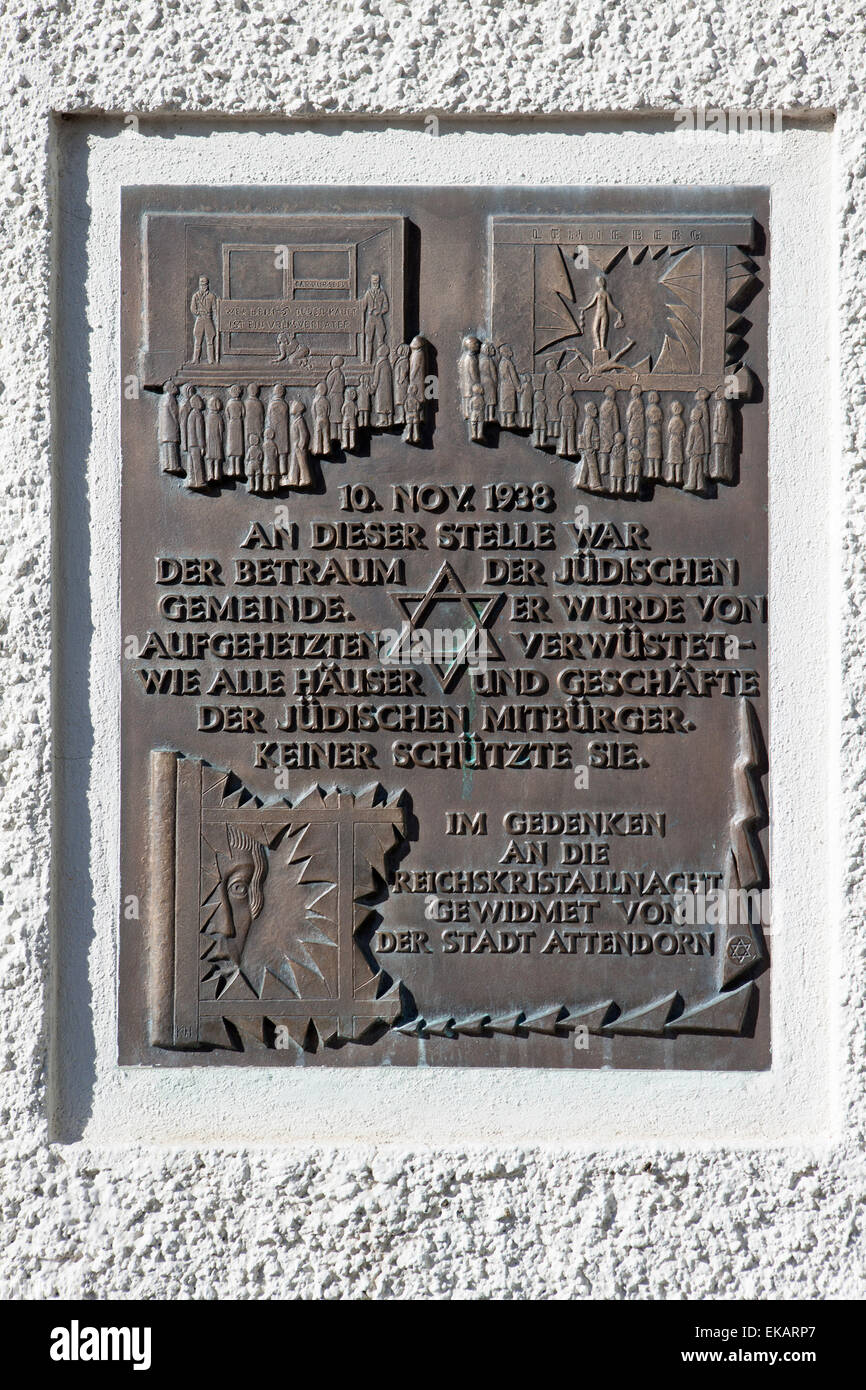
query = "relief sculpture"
x=633 y=391
x=257 y=911
x=445 y=717
x=262 y=331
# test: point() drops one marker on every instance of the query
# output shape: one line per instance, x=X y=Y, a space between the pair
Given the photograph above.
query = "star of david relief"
x=446 y=649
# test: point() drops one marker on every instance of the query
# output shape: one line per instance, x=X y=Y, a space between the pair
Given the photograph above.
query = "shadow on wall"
x=72 y=1043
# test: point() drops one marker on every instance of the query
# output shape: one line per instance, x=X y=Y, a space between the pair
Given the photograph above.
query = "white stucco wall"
x=390 y=1183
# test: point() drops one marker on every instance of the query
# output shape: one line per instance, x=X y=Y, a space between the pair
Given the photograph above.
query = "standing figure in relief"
x=400 y=379
x=589 y=476
x=617 y=463
x=254 y=414
x=270 y=462
x=300 y=474
x=254 y=464
x=349 y=420
x=635 y=424
x=554 y=385
x=214 y=427
x=202 y=306
x=701 y=398
x=364 y=399
x=418 y=372
x=567 y=425
x=234 y=433
x=524 y=402
x=468 y=372
x=168 y=430
x=374 y=306
x=633 y=471
x=722 y=439
x=654 y=421
x=412 y=432
x=489 y=377
x=335 y=384
x=539 y=418
x=476 y=414
x=195 y=440
x=676 y=454
x=277 y=419
x=186 y=394
x=383 y=391
x=608 y=426
x=696 y=449
x=509 y=385
x=604 y=306
x=321 y=420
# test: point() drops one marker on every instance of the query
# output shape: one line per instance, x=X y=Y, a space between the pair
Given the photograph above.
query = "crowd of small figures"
x=616 y=449
x=271 y=444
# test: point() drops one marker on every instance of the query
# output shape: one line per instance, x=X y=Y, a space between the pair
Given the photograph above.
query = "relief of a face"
x=242 y=874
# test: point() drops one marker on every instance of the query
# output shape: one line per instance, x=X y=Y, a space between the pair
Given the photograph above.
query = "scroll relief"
x=262 y=913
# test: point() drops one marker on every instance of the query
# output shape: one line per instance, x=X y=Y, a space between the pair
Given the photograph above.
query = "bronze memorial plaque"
x=444 y=615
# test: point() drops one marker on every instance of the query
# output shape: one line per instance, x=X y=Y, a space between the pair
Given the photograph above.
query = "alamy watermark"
x=719 y=907
x=438 y=646
x=727 y=120
x=77 y=1343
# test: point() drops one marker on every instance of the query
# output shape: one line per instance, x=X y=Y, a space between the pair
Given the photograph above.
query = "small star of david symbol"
x=479 y=608
x=739 y=948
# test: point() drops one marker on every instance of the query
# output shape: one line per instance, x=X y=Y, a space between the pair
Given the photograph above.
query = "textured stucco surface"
x=94 y=1100
x=107 y=1212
